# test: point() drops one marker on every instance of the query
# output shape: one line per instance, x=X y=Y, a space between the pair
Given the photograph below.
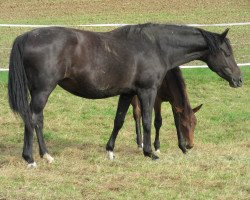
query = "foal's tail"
x=18 y=82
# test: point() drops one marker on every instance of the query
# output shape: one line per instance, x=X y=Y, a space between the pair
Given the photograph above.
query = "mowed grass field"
x=76 y=130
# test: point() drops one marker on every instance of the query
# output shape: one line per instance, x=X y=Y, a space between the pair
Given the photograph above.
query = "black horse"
x=131 y=60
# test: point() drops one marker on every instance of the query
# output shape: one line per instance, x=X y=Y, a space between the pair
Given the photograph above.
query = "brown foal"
x=173 y=90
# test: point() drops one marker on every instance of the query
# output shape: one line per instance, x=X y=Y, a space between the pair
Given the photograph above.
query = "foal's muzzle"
x=189 y=146
x=236 y=82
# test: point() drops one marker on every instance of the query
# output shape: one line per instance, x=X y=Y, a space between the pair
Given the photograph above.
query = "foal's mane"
x=176 y=72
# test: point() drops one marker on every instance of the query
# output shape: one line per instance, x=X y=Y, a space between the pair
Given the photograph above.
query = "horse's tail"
x=18 y=82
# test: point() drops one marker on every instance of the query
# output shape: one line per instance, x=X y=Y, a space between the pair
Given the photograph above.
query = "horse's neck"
x=180 y=49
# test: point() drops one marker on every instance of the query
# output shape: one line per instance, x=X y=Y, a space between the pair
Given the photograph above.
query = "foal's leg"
x=157 y=123
x=137 y=117
x=181 y=140
x=122 y=108
x=147 y=99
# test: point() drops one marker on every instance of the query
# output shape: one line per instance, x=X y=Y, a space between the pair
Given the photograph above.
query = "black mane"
x=213 y=40
x=142 y=31
x=148 y=32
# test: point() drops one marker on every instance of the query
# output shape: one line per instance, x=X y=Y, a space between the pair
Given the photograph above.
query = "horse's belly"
x=92 y=91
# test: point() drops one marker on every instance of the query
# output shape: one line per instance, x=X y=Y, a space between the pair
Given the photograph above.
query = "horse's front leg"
x=122 y=108
x=147 y=99
x=181 y=140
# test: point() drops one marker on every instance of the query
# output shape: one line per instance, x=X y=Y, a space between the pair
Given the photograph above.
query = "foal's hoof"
x=110 y=155
x=48 y=157
x=32 y=165
x=184 y=151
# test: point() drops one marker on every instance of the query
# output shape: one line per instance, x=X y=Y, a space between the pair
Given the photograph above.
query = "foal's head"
x=221 y=59
x=187 y=125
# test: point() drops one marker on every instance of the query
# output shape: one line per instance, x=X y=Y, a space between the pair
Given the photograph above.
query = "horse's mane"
x=213 y=40
x=142 y=31
x=146 y=32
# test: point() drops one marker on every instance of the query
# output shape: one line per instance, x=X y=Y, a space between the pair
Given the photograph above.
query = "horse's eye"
x=226 y=53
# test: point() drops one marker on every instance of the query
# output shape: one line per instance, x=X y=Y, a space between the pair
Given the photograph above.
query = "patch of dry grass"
x=208 y=11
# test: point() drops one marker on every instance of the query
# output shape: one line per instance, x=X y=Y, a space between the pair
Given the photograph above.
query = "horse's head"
x=187 y=126
x=223 y=63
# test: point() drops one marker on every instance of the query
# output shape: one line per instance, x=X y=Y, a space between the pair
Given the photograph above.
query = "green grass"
x=76 y=130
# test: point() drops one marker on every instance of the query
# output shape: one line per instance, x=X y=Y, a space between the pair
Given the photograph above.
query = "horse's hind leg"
x=38 y=102
x=122 y=108
x=39 y=133
x=28 y=145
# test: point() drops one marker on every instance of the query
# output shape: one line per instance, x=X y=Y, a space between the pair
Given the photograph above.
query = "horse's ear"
x=197 y=108
x=224 y=34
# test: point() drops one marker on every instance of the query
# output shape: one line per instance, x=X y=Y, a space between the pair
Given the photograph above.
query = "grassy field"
x=76 y=130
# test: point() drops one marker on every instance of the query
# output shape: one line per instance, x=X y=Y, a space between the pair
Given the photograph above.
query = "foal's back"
x=172 y=90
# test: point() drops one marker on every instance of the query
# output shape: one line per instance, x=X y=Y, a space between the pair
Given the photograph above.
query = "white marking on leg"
x=158 y=151
x=48 y=157
x=141 y=145
x=32 y=165
x=111 y=155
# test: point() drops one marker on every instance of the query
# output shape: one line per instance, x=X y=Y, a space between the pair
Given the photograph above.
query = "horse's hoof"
x=111 y=155
x=151 y=155
x=48 y=157
x=154 y=157
x=32 y=165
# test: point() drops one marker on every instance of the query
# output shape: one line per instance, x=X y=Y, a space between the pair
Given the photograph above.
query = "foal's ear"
x=197 y=108
x=224 y=34
x=178 y=110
